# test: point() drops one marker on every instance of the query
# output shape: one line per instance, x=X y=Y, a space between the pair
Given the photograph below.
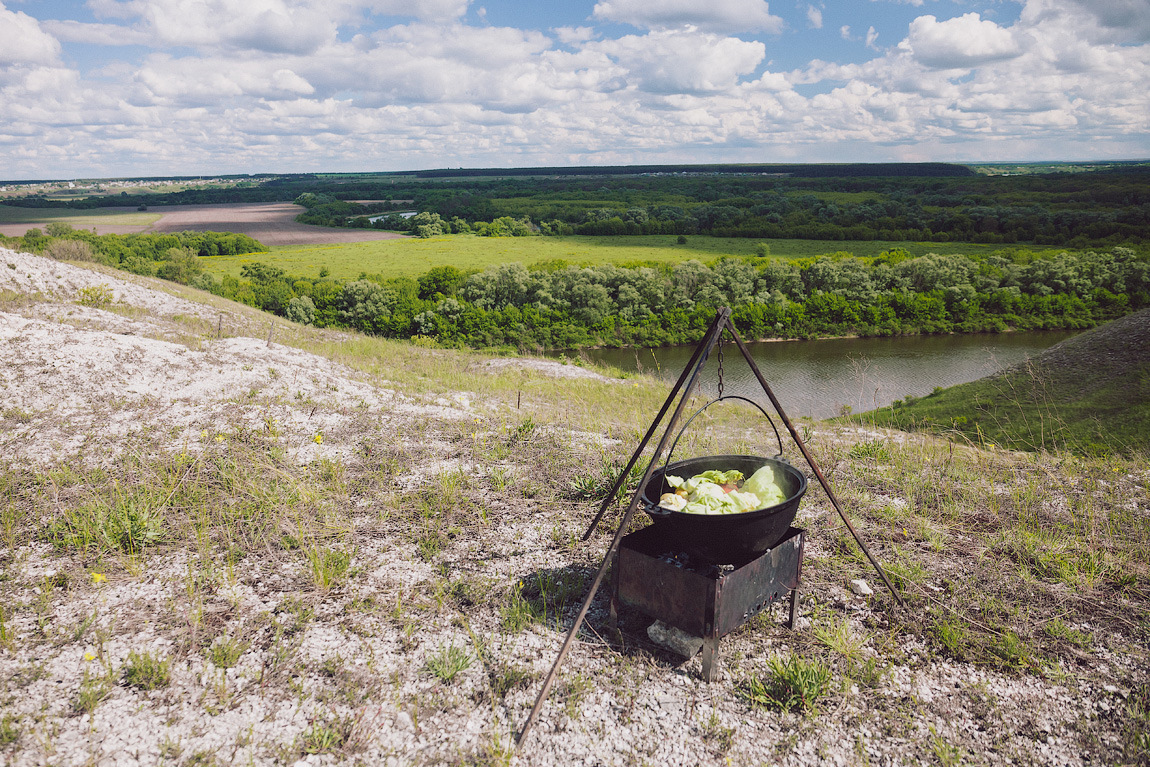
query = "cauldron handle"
x=778 y=456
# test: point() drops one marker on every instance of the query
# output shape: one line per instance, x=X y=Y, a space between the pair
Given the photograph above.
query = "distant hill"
x=1088 y=394
x=807 y=170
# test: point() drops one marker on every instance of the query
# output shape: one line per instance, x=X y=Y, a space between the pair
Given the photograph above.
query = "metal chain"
x=720 y=359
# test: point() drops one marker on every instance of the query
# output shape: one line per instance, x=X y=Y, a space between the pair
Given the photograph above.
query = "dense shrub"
x=564 y=306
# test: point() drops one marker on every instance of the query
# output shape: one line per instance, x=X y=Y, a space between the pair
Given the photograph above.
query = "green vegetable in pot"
x=765 y=484
x=732 y=477
x=715 y=492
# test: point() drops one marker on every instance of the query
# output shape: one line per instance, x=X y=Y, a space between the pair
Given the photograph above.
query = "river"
x=819 y=378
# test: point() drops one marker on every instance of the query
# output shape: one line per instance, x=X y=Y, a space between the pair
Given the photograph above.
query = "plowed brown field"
x=272 y=223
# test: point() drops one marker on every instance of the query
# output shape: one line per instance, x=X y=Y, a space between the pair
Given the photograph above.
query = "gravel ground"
x=343 y=673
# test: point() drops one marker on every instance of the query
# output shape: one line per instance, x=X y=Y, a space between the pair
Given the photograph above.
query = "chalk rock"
x=860 y=587
x=675 y=640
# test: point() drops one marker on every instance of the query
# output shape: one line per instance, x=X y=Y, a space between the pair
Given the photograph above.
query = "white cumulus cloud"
x=271 y=26
x=665 y=62
x=728 y=16
x=961 y=42
x=22 y=41
x=70 y=31
x=426 y=10
x=283 y=85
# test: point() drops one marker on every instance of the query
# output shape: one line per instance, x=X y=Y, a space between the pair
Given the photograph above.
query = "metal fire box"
x=702 y=599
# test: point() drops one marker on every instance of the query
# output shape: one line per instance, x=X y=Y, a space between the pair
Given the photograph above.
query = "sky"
x=117 y=88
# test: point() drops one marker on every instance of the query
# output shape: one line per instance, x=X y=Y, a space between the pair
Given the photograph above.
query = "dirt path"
x=272 y=223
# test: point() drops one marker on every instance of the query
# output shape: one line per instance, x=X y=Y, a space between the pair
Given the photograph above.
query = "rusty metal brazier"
x=724 y=538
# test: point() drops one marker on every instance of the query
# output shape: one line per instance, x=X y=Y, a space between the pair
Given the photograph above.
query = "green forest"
x=1101 y=218
x=928 y=202
x=556 y=305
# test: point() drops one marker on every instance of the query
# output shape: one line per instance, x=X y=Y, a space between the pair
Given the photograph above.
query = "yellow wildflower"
x=99 y=578
x=318 y=439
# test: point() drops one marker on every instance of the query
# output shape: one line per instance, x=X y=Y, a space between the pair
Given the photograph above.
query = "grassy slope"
x=1025 y=576
x=411 y=257
x=1090 y=393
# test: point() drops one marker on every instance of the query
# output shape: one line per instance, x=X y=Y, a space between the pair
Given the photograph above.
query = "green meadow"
x=412 y=256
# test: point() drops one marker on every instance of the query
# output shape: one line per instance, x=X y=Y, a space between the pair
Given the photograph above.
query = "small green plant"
x=791 y=684
x=449 y=662
x=96 y=296
x=225 y=652
x=544 y=596
x=597 y=482
x=523 y=432
x=145 y=671
x=93 y=689
x=948 y=755
x=838 y=636
x=129 y=525
x=905 y=571
x=1010 y=650
x=869 y=673
x=202 y=758
x=430 y=543
x=296 y=614
x=1060 y=630
x=328 y=566
x=503 y=679
x=950 y=634
x=516 y=614
x=170 y=749
x=325 y=737
x=714 y=733
x=874 y=449
x=7 y=637
x=573 y=692
x=9 y=730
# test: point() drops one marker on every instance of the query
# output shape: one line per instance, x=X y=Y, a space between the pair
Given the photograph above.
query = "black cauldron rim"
x=723 y=538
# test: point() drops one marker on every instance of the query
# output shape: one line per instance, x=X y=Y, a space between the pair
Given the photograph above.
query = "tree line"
x=556 y=305
x=172 y=256
x=1098 y=209
x=563 y=306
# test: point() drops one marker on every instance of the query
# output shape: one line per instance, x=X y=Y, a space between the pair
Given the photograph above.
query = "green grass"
x=412 y=257
x=1089 y=395
x=146 y=671
x=790 y=684
x=999 y=599
x=448 y=662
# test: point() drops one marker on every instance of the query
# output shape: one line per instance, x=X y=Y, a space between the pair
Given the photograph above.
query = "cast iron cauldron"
x=724 y=538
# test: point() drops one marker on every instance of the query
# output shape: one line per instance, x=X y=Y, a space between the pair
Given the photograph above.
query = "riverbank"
x=1088 y=394
x=825 y=377
x=232 y=539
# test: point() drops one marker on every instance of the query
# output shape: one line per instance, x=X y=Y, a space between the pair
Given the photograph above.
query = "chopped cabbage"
x=705 y=494
x=721 y=477
x=765 y=484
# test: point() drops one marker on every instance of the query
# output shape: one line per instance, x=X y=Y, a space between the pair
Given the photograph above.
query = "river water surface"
x=819 y=378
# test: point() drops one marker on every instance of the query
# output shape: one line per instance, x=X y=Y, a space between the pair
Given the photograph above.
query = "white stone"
x=674 y=639
x=860 y=587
